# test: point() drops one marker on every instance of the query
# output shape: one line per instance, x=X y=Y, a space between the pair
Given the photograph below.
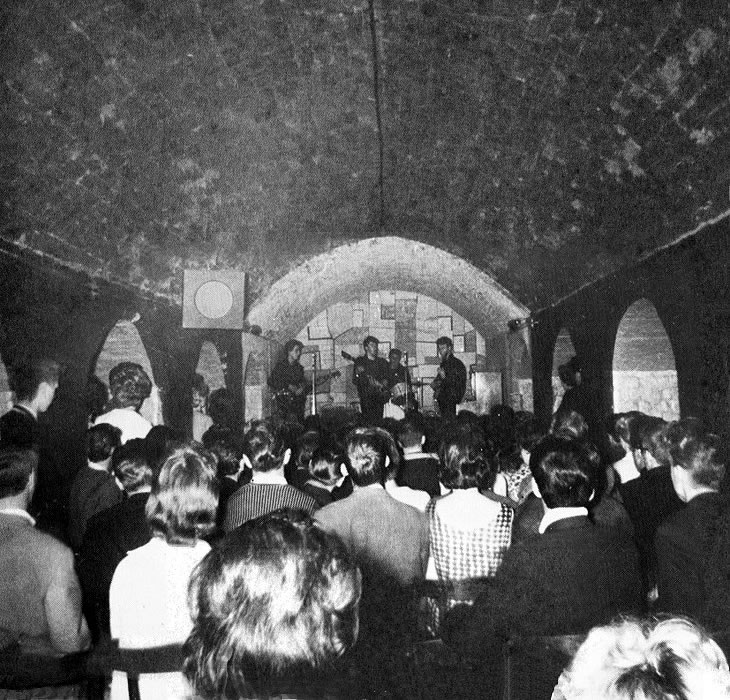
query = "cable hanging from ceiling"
x=378 y=118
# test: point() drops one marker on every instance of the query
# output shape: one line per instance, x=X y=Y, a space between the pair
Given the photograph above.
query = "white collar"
x=418 y=454
x=272 y=477
x=552 y=515
x=19 y=512
x=98 y=466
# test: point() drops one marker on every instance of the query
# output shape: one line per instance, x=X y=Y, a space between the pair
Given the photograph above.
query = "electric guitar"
x=378 y=387
x=288 y=397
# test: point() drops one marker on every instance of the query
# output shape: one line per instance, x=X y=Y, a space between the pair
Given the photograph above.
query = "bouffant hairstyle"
x=467 y=460
x=528 y=432
x=101 y=441
x=184 y=499
x=279 y=597
x=129 y=384
x=16 y=466
x=29 y=373
x=324 y=465
x=366 y=453
x=289 y=346
x=131 y=465
x=632 y=659
x=564 y=471
x=569 y=425
x=444 y=340
x=265 y=447
x=696 y=452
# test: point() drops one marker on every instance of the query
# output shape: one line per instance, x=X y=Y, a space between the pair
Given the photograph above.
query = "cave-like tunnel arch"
x=383 y=263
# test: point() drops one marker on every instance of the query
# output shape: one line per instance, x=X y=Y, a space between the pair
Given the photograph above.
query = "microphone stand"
x=314 y=382
x=408 y=384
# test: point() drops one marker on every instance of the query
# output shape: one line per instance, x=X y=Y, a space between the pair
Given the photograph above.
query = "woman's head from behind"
x=278 y=597
x=672 y=659
x=467 y=460
x=184 y=499
x=129 y=385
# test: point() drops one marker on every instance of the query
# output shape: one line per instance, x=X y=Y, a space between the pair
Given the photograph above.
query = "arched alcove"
x=564 y=350
x=644 y=373
x=408 y=321
x=353 y=270
x=210 y=366
x=124 y=344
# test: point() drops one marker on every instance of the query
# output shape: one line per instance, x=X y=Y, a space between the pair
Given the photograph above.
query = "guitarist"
x=372 y=381
x=450 y=382
x=288 y=384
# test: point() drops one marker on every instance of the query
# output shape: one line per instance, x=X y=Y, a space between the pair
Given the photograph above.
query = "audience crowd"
x=303 y=561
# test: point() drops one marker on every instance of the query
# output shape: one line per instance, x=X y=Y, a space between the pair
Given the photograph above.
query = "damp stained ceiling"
x=546 y=142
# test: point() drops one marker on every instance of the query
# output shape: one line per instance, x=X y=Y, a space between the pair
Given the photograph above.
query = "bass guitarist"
x=372 y=381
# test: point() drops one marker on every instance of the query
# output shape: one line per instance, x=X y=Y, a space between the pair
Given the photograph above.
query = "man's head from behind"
x=412 y=430
x=17 y=472
x=36 y=380
x=131 y=466
x=563 y=471
x=367 y=456
x=101 y=441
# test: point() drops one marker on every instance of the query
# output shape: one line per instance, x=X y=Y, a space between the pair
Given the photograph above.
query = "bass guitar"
x=291 y=399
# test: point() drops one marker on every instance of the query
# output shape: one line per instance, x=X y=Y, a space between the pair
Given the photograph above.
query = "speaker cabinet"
x=214 y=299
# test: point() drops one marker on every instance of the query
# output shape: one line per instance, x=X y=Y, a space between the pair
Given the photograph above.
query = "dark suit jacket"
x=572 y=577
x=682 y=543
x=420 y=473
x=109 y=535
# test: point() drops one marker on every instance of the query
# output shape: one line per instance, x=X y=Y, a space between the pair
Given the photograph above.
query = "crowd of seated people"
x=530 y=532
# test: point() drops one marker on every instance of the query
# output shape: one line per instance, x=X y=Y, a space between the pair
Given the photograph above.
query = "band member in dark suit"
x=372 y=381
x=399 y=380
x=450 y=382
x=288 y=384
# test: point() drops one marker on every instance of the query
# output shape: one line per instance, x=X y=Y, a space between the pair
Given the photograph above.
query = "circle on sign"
x=214 y=299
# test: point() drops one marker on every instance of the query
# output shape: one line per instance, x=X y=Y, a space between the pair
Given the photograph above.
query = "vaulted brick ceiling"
x=546 y=142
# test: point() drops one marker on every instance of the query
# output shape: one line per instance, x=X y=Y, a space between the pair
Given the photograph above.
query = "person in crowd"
x=575 y=397
x=129 y=385
x=682 y=539
x=371 y=374
x=470 y=527
x=527 y=435
x=113 y=532
x=449 y=385
x=94 y=488
x=666 y=659
x=148 y=593
x=380 y=532
x=40 y=605
x=267 y=452
x=160 y=441
x=569 y=425
x=288 y=384
x=389 y=541
x=221 y=409
x=573 y=575
x=300 y=590
x=604 y=508
x=647 y=494
x=201 y=420
x=228 y=452
x=97 y=396
x=35 y=382
x=419 y=470
x=405 y=494
x=297 y=470
x=325 y=473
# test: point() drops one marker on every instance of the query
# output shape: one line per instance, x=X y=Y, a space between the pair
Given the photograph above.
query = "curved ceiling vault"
x=383 y=263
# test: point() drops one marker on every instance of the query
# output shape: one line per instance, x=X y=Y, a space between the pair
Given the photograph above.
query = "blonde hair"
x=669 y=659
